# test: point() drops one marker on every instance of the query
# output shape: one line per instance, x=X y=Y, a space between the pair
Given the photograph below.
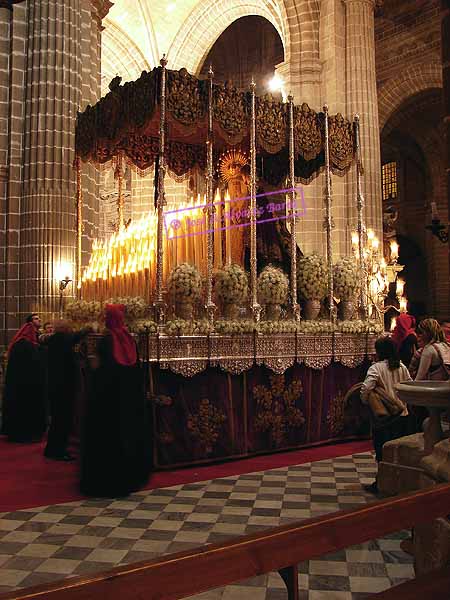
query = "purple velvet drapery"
x=216 y=415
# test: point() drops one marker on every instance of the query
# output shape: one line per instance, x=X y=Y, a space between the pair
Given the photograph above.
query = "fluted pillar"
x=59 y=40
x=10 y=107
x=445 y=48
x=362 y=99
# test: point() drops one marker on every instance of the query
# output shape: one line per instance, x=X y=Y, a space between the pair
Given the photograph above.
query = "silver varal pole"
x=210 y=209
x=292 y=212
x=160 y=199
x=361 y=224
x=328 y=218
x=256 y=308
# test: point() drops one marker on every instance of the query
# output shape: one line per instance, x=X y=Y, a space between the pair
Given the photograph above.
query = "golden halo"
x=231 y=163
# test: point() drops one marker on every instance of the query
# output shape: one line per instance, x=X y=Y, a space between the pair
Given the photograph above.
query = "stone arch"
x=413 y=80
x=209 y=19
x=120 y=56
x=303 y=19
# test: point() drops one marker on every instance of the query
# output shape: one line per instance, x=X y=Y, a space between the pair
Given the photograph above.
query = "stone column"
x=302 y=78
x=445 y=49
x=5 y=54
x=362 y=99
x=58 y=34
x=12 y=52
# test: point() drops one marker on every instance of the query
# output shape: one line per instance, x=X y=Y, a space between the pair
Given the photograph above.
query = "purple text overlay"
x=193 y=220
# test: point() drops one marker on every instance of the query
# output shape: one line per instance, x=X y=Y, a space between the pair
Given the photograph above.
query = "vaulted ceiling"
x=137 y=33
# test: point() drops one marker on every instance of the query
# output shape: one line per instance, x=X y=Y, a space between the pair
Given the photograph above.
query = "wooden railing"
x=280 y=549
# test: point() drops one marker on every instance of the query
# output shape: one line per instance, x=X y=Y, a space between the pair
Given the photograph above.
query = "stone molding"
x=100 y=8
x=371 y=3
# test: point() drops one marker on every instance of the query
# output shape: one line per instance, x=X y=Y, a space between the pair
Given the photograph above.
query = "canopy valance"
x=126 y=121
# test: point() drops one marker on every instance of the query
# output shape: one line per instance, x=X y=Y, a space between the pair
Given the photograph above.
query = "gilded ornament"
x=342 y=143
x=230 y=111
x=276 y=412
x=270 y=123
x=185 y=100
x=308 y=135
x=205 y=425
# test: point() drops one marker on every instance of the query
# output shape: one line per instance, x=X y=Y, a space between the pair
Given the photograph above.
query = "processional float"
x=177 y=123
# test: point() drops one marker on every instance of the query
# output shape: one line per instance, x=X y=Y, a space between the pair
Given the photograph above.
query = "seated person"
x=389 y=414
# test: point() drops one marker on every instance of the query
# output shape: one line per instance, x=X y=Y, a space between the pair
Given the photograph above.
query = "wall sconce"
x=62 y=273
x=437 y=228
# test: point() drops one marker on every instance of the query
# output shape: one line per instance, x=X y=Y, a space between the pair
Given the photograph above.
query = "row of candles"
x=125 y=264
x=377 y=271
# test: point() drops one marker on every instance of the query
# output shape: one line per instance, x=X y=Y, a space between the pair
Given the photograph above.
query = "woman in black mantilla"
x=116 y=452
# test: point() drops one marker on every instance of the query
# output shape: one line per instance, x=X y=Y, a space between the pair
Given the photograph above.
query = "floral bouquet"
x=346 y=278
x=135 y=307
x=280 y=326
x=143 y=326
x=178 y=327
x=185 y=283
x=315 y=327
x=312 y=277
x=360 y=327
x=231 y=285
x=234 y=327
x=83 y=311
x=273 y=286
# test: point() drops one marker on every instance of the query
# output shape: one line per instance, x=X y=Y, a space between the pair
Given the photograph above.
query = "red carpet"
x=27 y=479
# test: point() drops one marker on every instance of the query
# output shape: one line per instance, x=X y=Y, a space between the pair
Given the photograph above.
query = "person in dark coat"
x=404 y=337
x=23 y=413
x=116 y=450
x=63 y=385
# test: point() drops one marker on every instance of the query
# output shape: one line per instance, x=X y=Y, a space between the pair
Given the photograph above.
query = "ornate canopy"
x=126 y=121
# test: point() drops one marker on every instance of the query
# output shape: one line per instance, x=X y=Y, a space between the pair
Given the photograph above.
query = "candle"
x=227 y=228
x=217 y=232
x=370 y=234
x=383 y=266
x=400 y=284
x=375 y=243
x=394 y=250
x=393 y=323
x=403 y=304
x=434 y=212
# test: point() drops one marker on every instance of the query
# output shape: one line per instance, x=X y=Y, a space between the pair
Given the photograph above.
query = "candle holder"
x=62 y=286
x=379 y=274
x=438 y=230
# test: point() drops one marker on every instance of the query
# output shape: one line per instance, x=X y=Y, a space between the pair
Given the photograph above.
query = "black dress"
x=63 y=386
x=24 y=417
x=407 y=349
x=116 y=450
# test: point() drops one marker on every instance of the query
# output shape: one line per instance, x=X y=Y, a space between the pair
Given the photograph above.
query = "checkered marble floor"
x=44 y=544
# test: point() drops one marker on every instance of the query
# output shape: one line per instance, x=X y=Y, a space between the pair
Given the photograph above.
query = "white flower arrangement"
x=312 y=277
x=177 y=327
x=273 y=286
x=234 y=327
x=143 y=326
x=231 y=284
x=346 y=278
x=359 y=327
x=135 y=307
x=185 y=283
x=288 y=326
x=316 y=327
x=83 y=311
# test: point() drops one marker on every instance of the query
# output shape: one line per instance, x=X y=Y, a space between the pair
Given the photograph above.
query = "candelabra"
x=380 y=274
